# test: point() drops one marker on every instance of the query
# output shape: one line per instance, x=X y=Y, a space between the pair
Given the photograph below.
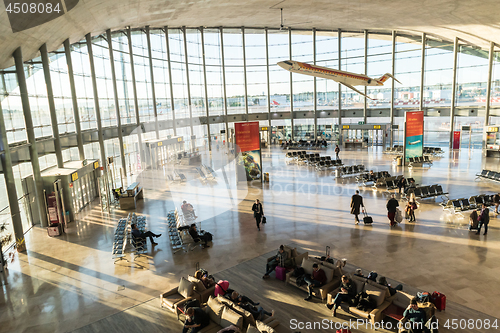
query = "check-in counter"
x=128 y=200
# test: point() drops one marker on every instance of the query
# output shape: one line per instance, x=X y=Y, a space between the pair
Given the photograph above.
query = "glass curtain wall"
x=83 y=85
x=162 y=80
x=255 y=50
x=123 y=71
x=213 y=62
x=196 y=79
x=235 y=76
x=142 y=76
x=179 y=75
x=352 y=60
x=37 y=93
x=408 y=65
x=379 y=62
x=12 y=107
x=279 y=79
x=494 y=118
x=327 y=55
x=104 y=81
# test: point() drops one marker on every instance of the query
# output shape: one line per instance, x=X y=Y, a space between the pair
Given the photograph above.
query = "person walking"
x=484 y=219
x=337 y=151
x=392 y=206
x=356 y=204
x=411 y=206
x=258 y=212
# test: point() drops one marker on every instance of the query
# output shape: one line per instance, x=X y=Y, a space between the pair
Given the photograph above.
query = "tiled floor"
x=63 y=283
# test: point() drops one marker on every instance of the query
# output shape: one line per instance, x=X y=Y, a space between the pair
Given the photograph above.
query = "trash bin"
x=266 y=177
x=399 y=161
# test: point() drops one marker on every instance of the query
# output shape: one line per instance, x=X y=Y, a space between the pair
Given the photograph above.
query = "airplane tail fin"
x=386 y=76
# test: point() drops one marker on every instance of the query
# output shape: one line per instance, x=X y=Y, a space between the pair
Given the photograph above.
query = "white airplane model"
x=348 y=79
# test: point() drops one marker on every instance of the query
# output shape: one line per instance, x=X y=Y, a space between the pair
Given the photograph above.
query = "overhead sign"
x=377 y=127
x=361 y=122
x=96 y=165
x=465 y=128
x=160 y=144
x=345 y=126
x=74 y=176
x=492 y=129
x=179 y=139
x=263 y=128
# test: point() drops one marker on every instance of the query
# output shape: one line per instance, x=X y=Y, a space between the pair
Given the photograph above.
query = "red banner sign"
x=456 y=139
x=414 y=123
x=247 y=136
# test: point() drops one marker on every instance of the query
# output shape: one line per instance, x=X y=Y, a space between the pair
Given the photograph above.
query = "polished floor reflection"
x=64 y=283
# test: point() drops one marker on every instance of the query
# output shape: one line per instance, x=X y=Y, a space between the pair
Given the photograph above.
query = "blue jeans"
x=341 y=298
x=311 y=283
x=271 y=266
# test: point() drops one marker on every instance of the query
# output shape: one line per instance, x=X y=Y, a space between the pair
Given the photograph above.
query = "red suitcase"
x=280 y=273
x=343 y=330
x=439 y=300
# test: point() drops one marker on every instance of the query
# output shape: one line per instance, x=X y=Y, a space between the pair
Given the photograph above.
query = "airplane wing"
x=356 y=90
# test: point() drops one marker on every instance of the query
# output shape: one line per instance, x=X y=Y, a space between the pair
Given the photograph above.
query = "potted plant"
x=5 y=239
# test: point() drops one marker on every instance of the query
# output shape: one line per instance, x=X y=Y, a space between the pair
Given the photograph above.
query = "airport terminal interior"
x=165 y=114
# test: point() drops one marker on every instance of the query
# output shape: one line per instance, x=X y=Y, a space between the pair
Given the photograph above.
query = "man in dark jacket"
x=317 y=279
x=278 y=259
x=346 y=294
x=258 y=212
x=401 y=184
x=136 y=233
x=356 y=204
x=392 y=205
x=196 y=319
x=484 y=219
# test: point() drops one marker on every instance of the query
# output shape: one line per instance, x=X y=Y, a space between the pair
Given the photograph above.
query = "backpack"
x=372 y=276
x=298 y=271
x=364 y=302
x=423 y=297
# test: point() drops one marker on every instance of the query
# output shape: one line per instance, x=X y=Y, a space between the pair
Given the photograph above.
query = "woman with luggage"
x=411 y=206
x=258 y=212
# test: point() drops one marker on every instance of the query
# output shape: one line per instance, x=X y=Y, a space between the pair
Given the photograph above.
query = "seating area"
x=320 y=162
x=429 y=151
x=419 y=160
x=221 y=311
x=389 y=182
x=457 y=206
x=302 y=144
x=209 y=172
x=350 y=170
x=489 y=175
x=366 y=178
x=120 y=240
x=425 y=192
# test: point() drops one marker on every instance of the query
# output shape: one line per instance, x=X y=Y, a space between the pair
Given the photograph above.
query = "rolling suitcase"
x=367 y=219
x=281 y=273
x=439 y=300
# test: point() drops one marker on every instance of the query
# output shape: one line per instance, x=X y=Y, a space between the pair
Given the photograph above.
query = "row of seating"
x=209 y=171
x=178 y=233
x=397 y=149
x=424 y=192
x=304 y=144
x=120 y=240
x=140 y=244
x=382 y=182
x=419 y=160
x=464 y=204
x=321 y=162
x=364 y=178
x=490 y=175
x=392 y=183
x=350 y=170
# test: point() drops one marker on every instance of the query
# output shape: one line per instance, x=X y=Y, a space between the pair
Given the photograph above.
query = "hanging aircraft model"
x=347 y=79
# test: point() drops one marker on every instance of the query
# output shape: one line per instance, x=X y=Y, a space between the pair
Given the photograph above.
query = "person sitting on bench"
x=197 y=237
x=415 y=316
x=317 y=279
x=280 y=257
x=187 y=209
x=138 y=234
x=346 y=294
x=203 y=277
x=196 y=320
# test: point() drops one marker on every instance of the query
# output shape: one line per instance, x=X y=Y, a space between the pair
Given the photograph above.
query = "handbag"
x=264 y=220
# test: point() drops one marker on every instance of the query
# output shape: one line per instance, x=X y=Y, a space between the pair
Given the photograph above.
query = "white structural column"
x=187 y=82
x=268 y=83
x=393 y=71
x=291 y=82
x=366 y=73
x=453 y=90
x=488 y=93
x=244 y=69
x=117 y=102
x=339 y=42
x=151 y=71
x=172 y=101
x=315 y=92
x=136 y=101
x=422 y=72
x=224 y=80
x=206 y=88
x=23 y=90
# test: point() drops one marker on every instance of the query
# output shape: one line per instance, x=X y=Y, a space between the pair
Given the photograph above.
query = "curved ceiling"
x=476 y=21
